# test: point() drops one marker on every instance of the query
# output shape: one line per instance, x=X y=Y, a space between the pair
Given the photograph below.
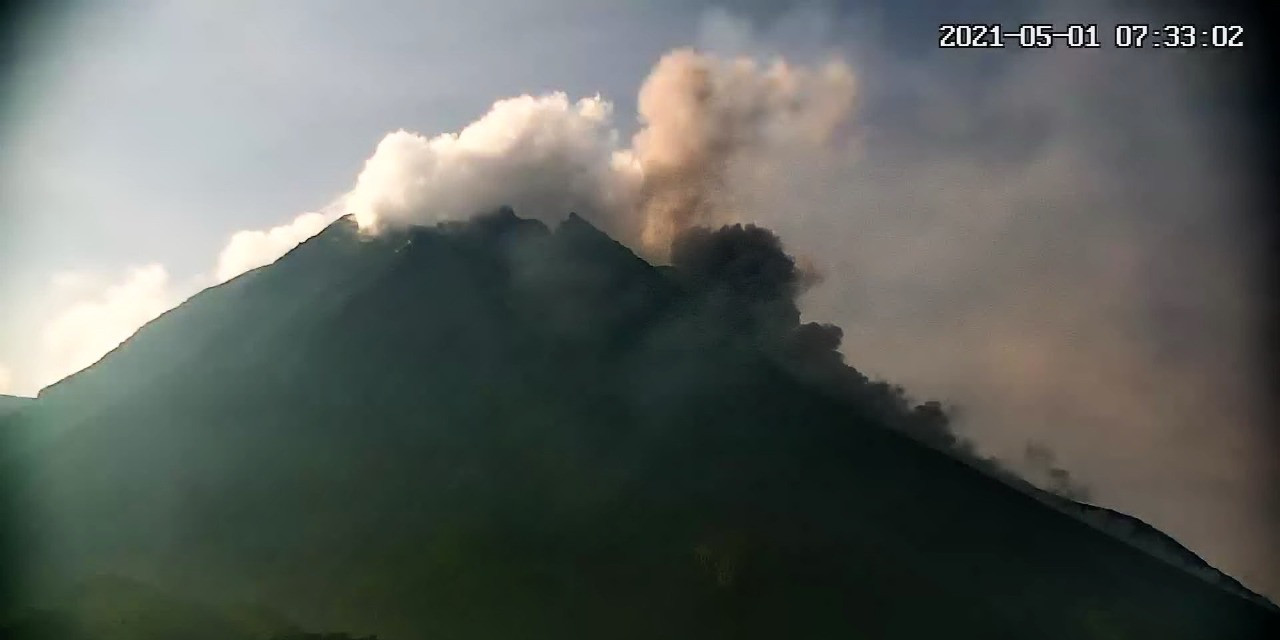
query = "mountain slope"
x=12 y=404
x=113 y=608
x=495 y=430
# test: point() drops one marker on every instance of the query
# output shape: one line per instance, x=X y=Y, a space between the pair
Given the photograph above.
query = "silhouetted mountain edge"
x=495 y=429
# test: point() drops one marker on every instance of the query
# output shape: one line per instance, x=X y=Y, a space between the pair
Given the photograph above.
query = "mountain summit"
x=494 y=429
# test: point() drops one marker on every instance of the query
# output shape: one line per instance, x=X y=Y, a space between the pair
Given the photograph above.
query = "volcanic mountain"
x=495 y=429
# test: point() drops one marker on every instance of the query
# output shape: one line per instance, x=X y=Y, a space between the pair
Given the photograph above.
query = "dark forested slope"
x=496 y=430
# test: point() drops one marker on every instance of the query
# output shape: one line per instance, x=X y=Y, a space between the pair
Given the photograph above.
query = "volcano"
x=496 y=429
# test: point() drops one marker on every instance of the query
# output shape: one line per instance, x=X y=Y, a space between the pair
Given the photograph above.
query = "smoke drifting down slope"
x=492 y=428
x=1068 y=271
x=1000 y=249
x=710 y=127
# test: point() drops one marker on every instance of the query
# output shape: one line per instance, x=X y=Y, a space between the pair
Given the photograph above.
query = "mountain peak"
x=504 y=431
x=345 y=226
x=574 y=223
x=582 y=240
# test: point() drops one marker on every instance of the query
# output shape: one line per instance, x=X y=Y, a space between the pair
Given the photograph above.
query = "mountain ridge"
x=496 y=385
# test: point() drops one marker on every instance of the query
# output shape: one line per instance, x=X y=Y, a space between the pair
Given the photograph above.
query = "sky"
x=1050 y=241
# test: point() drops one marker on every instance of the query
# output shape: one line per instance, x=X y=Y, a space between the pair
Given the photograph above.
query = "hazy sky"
x=1044 y=238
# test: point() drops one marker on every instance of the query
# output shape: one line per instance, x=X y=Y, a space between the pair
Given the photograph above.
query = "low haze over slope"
x=490 y=429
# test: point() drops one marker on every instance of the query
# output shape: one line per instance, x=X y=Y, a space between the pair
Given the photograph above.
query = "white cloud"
x=252 y=249
x=6 y=380
x=701 y=116
x=92 y=313
x=544 y=156
x=99 y=315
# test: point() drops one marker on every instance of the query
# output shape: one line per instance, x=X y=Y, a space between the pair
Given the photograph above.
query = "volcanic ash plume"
x=704 y=117
x=700 y=119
